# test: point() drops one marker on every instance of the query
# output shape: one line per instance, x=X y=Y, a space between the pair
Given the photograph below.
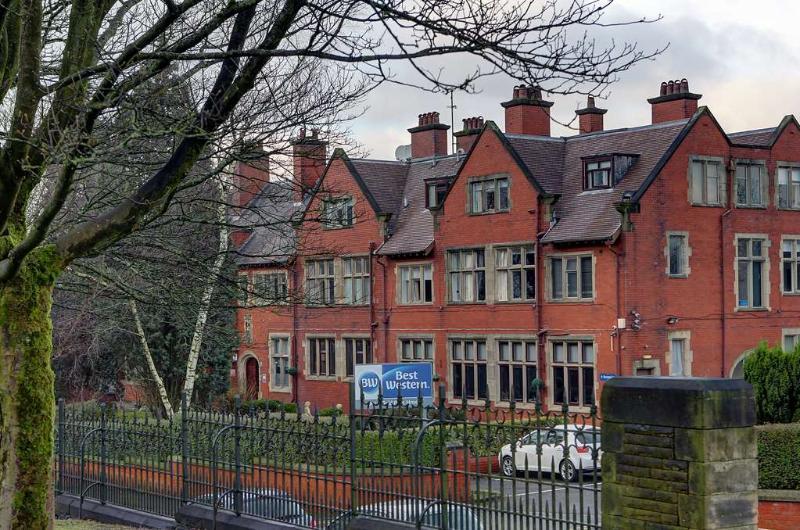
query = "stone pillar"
x=679 y=453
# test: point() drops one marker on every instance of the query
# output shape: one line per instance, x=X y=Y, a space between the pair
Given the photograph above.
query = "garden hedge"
x=779 y=456
x=775 y=376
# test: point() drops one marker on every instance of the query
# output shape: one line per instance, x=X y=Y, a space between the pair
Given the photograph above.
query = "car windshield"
x=588 y=437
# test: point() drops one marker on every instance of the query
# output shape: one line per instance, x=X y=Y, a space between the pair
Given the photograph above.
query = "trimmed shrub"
x=290 y=408
x=779 y=456
x=775 y=376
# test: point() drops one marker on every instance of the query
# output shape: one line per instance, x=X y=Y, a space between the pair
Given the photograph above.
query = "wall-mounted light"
x=672 y=320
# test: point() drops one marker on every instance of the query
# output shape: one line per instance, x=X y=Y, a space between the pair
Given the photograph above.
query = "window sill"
x=790 y=294
x=281 y=390
x=572 y=301
x=751 y=310
x=333 y=228
x=454 y=401
x=515 y=302
x=493 y=212
x=414 y=304
x=678 y=276
x=788 y=209
x=467 y=303
x=702 y=205
x=751 y=207
x=329 y=378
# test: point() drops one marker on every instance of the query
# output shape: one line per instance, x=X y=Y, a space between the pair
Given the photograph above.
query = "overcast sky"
x=743 y=56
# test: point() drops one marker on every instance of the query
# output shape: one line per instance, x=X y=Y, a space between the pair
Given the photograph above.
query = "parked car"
x=583 y=445
x=429 y=513
x=275 y=505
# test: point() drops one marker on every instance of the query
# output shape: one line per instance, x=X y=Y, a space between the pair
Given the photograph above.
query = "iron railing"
x=467 y=466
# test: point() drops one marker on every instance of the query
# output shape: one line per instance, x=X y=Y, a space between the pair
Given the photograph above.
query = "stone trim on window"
x=792 y=191
x=792 y=287
x=765 y=281
x=688 y=354
x=421 y=266
x=338 y=363
x=744 y=165
x=552 y=365
x=480 y=208
x=701 y=197
x=564 y=298
x=685 y=269
x=272 y=354
x=790 y=335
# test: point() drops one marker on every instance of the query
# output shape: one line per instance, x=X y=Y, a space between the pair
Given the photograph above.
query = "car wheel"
x=508 y=466
x=567 y=470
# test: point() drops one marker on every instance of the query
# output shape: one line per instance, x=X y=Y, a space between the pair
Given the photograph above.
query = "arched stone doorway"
x=251 y=377
x=737 y=371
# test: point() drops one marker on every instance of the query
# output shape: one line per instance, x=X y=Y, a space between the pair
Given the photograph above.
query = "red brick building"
x=667 y=249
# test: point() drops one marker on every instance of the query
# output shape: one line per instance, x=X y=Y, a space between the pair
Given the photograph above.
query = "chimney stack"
x=308 y=156
x=250 y=177
x=527 y=112
x=590 y=118
x=674 y=102
x=429 y=137
x=469 y=133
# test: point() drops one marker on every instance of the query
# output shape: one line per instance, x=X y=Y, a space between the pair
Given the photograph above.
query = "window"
x=573 y=373
x=435 y=191
x=467 y=275
x=571 y=278
x=247 y=329
x=597 y=174
x=355 y=273
x=750 y=185
x=242 y=289
x=517 y=364
x=750 y=263
x=789 y=187
x=269 y=288
x=707 y=181
x=337 y=213
x=791 y=339
x=677 y=350
x=416 y=349
x=279 y=349
x=791 y=266
x=515 y=273
x=488 y=196
x=468 y=364
x=356 y=351
x=321 y=357
x=319 y=281
x=416 y=284
x=677 y=255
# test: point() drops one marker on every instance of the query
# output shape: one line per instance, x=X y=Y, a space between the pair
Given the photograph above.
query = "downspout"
x=385 y=312
x=618 y=331
x=371 y=298
x=723 y=289
x=295 y=356
x=540 y=333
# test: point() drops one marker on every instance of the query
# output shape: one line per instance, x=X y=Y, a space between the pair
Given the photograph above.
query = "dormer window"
x=597 y=173
x=337 y=213
x=435 y=190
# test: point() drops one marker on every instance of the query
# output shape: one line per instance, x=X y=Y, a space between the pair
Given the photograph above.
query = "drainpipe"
x=371 y=298
x=618 y=333
x=295 y=356
x=541 y=334
x=384 y=310
x=723 y=288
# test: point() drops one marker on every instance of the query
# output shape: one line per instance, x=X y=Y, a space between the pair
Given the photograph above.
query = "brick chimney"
x=469 y=133
x=250 y=177
x=527 y=112
x=590 y=118
x=308 y=157
x=429 y=137
x=674 y=102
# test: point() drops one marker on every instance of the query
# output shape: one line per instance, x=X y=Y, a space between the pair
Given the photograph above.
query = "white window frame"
x=504 y=273
x=686 y=252
x=457 y=348
x=324 y=283
x=351 y=358
x=790 y=334
x=565 y=363
x=416 y=349
x=601 y=166
x=749 y=258
x=352 y=279
x=337 y=213
x=701 y=164
x=579 y=258
x=286 y=361
x=332 y=370
x=506 y=349
x=790 y=172
x=793 y=261
x=406 y=293
x=685 y=337
x=481 y=188
x=744 y=173
x=274 y=290
x=463 y=276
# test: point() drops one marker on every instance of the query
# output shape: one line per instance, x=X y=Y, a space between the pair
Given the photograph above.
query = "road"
x=532 y=503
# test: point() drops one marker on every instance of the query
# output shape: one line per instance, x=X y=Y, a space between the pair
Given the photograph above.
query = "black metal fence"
x=468 y=466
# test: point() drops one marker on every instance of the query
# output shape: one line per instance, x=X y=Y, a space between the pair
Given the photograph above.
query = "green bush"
x=779 y=456
x=290 y=408
x=328 y=412
x=775 y=376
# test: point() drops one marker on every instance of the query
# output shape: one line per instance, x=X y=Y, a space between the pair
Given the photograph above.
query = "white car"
x=428 y=514
x=583 y=446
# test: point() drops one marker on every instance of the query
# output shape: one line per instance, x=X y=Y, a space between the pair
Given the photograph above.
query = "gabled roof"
x=762 y=138
x=269 y=216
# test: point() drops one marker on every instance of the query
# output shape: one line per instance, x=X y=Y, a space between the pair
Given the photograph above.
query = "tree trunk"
x=162 y=391
x=27 y=399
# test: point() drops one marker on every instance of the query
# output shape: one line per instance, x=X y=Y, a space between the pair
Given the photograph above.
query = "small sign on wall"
x=606 y=377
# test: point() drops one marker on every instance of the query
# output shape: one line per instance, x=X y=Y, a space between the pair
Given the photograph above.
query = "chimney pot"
x=663 y=89
x=527 y=112
x=675 y=101
x=684 y=85
x=590 y=102
x=671 y=87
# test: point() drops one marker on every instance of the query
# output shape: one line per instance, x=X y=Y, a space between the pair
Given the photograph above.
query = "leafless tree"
x=69 y=67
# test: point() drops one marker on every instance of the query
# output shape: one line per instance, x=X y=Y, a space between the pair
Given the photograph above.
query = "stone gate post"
x=678 y=453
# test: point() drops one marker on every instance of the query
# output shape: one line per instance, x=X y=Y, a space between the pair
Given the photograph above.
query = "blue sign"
x=408 y=381
x=606 y=377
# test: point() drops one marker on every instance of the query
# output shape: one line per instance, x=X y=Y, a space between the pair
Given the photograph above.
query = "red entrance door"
x=251 y=378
